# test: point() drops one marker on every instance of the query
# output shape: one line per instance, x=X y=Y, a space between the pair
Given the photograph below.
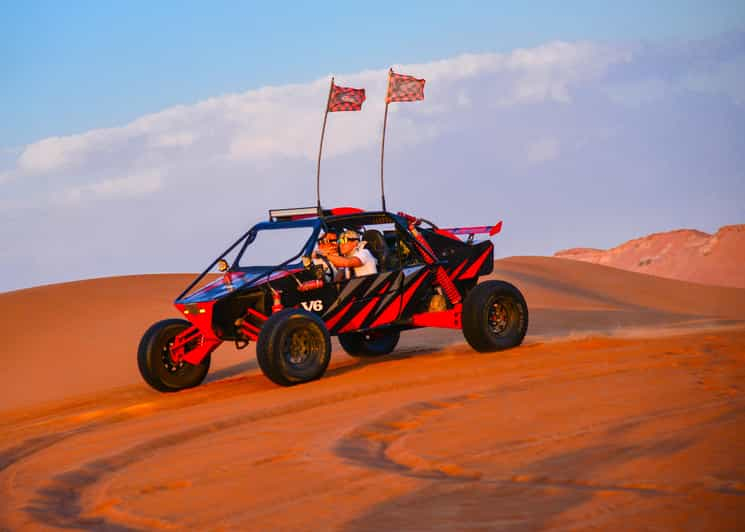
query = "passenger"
x=353 y=256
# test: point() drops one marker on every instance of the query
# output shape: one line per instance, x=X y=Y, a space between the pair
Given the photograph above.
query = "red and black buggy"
x=290 y=306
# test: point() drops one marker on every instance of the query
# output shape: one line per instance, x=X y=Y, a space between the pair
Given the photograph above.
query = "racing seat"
x=378 y=247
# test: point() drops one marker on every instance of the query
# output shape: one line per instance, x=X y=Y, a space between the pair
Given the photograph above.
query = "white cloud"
x=543 y=150
x=52 y=153
x=121 y=187
x=285 y=121
x=261 y=126
x=177 y=139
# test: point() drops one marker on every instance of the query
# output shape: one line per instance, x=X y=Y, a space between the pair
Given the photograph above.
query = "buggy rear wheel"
x=369 y=344
x=293 y=347
x=156 y=365
x=495 y=316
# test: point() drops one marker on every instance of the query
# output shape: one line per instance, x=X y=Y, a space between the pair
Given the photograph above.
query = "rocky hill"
x=683 y=254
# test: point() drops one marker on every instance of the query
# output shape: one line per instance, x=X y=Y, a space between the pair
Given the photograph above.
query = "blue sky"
x=142 y=138
x=73 y=66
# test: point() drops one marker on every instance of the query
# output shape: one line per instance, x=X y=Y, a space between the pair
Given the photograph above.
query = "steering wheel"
x=328 y=268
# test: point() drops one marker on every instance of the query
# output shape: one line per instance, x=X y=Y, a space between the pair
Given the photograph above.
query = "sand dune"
x=623 y=409
x=684 y=254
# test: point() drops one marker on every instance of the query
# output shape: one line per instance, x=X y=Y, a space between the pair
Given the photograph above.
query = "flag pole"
x=320 y=149
x=382 y=144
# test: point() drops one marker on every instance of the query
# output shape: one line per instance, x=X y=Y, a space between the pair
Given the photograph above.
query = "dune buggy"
x=290 y=306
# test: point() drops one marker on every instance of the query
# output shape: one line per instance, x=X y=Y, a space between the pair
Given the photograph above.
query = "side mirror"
x=222 y=265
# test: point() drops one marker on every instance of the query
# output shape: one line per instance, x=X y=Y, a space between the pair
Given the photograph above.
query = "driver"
x=327 y=245
x=353 y=256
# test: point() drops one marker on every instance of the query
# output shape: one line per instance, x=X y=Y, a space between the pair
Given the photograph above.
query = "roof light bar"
x=289 y=214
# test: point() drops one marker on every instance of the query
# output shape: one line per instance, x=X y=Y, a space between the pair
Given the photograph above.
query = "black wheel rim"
x=302 y=347
x=500 y=316
x=168 y=363
x=172 y=367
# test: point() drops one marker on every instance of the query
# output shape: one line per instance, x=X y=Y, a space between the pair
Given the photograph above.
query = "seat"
x=378 y=247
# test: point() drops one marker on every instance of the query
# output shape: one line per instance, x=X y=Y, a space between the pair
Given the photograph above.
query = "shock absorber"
x=447 y=285
x=440 y=274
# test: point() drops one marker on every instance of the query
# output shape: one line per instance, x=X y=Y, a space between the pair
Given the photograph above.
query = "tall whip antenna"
x=382 y=144
x=320 y=149
x=401 y=88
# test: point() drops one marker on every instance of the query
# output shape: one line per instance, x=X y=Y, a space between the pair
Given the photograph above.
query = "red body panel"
x=389 y=314
x=339 y=211
x=333 y=321
x=200 y=315
x=447 y=319
x=476 y=266
x=355 y=322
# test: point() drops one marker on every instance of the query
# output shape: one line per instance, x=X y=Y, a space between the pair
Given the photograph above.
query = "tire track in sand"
x=370 y=444
x=59 y=502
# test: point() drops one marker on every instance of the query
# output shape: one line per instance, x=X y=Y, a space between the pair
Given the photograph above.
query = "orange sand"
x=624 y=409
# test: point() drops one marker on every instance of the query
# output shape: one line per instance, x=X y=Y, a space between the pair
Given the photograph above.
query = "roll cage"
x=328 y=221
x=249 y=236
x=356 y=220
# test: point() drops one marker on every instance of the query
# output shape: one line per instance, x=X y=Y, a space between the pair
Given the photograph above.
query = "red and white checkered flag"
x=403 y=88
x=345 y=99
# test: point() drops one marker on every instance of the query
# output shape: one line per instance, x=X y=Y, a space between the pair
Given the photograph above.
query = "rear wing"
x=455 y=232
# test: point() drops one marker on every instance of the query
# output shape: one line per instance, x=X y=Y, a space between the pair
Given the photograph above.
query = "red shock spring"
x=447 y=285
x=443 y=279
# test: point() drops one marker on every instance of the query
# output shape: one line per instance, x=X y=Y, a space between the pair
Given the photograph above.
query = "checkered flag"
x=345 y=99
x=403 y=88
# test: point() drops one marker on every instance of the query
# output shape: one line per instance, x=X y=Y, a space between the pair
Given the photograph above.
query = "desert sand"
x=624 y=409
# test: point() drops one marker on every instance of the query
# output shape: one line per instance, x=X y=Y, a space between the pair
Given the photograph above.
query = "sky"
x=143 y=137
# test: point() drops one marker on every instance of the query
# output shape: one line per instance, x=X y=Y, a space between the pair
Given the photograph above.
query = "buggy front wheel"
x=157 y=366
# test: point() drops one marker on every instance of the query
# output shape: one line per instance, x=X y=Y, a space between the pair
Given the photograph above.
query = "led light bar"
x=292 y=214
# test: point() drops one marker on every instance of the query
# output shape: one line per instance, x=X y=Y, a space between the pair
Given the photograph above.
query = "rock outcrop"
x=683 y=254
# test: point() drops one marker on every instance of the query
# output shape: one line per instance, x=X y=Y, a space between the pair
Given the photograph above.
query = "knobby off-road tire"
x=155 y=363
x=370 y=344
x=495 y=316
x=294 y=346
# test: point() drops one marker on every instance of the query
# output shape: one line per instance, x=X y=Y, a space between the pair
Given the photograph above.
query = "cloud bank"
x=571 y=143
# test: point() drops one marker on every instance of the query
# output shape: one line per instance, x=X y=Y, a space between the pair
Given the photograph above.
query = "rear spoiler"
x=491 y=229
x=453 y=232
